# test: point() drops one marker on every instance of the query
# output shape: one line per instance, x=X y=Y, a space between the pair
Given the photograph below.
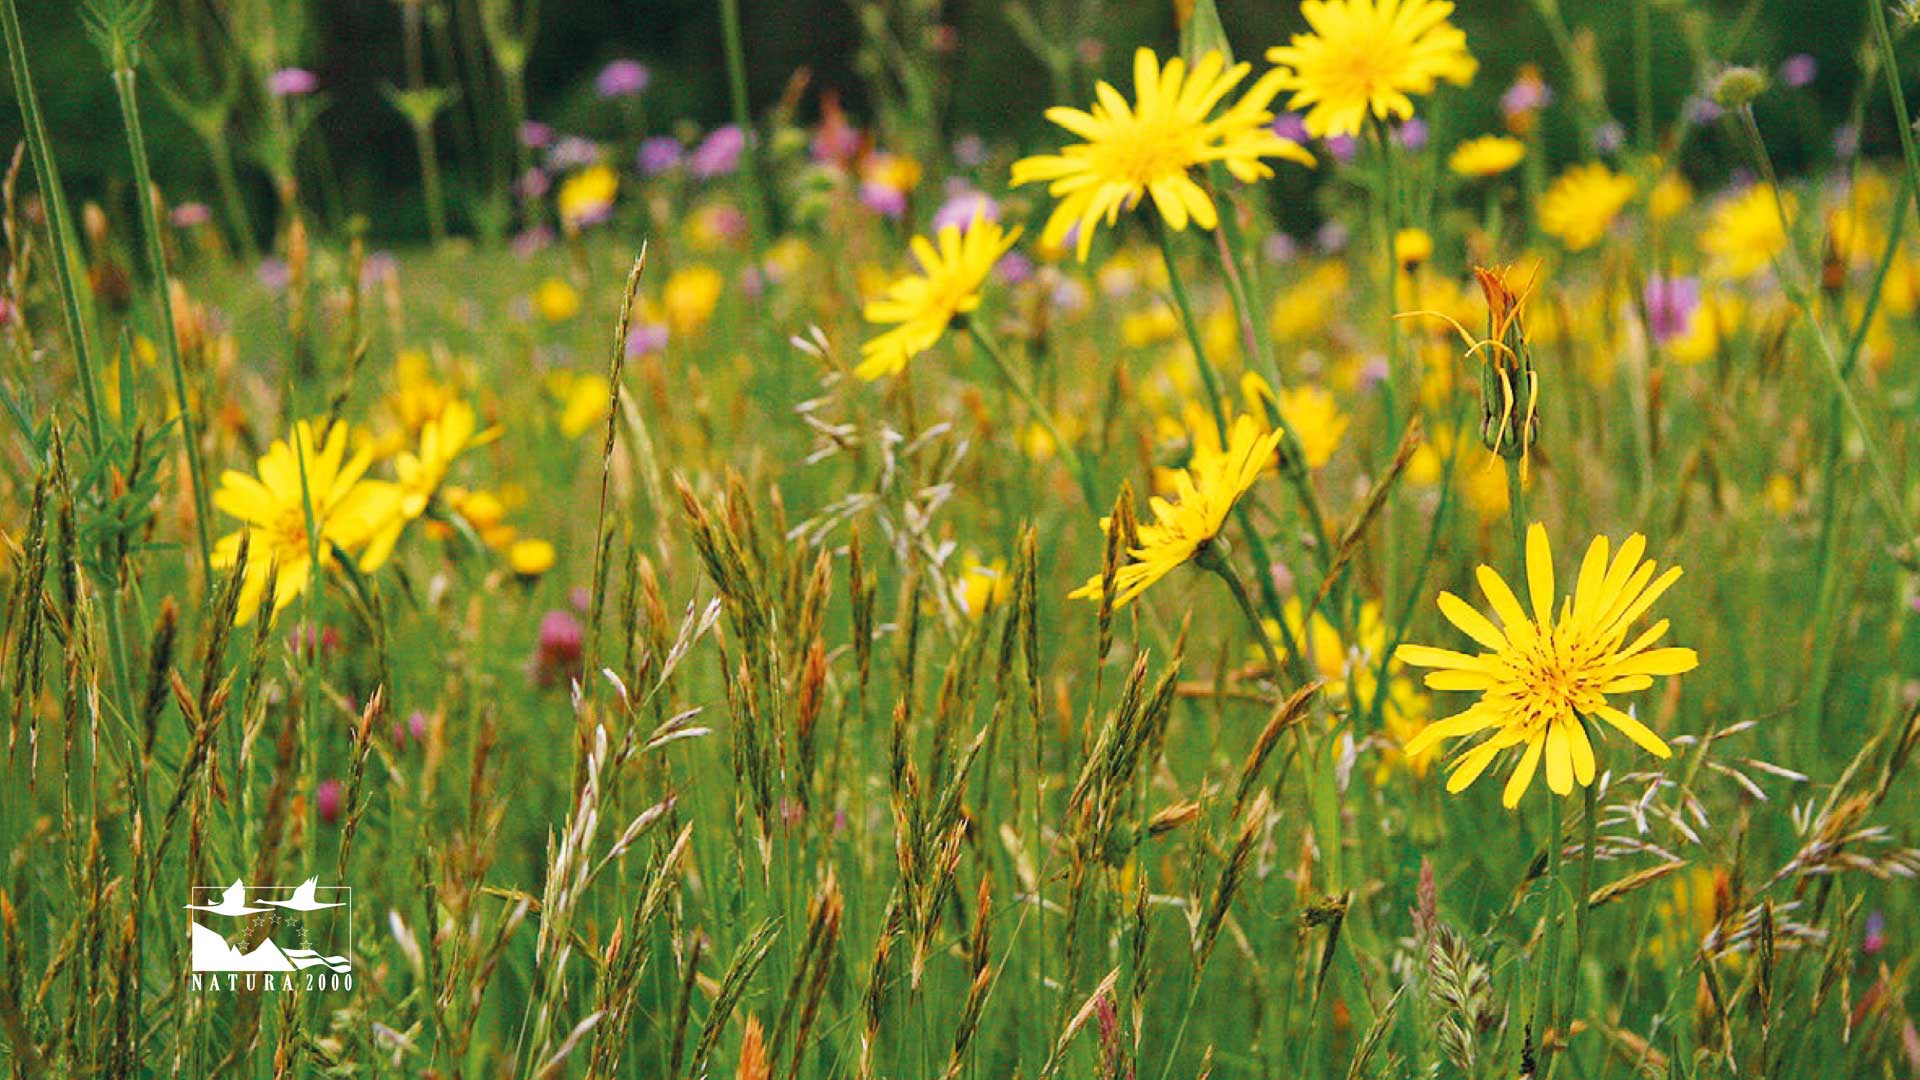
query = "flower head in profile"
x=954 y=265
x=1185 y=525
x=1488 y=155
x=1151 y=145
x=1364 y=58
x=1543 y=678
x=422 y=472
x=1580 y=206
x=272 y=507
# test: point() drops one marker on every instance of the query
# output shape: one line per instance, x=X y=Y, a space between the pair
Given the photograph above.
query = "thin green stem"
x=59 y=223
x=1040 y=412
x=1181 y=302
x=125 y=87
x=1543 y=1019
x=1517 y=514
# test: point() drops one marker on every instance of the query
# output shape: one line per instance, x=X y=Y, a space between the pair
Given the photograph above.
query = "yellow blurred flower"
x=1411 y=247
x=587 y=196
x=1365 y=58
x=1309 y=305
x=1670 y=196
x=1156 y=325
x=584 y=400
x=420 y=475
x=980 y=584
x=689 y=297
x=1488 y=155
x=1315 y=420
x=530 y=558
x=1582 y=204
x=1151 y=146
x=556 y=301
x=1744 y=234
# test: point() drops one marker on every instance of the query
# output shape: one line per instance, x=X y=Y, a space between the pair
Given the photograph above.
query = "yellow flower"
x=556 y=301
x=1488 y=155
x=1781 y=495
x=981 y=583
x=420 y=475
x=953 y=267
x=1366 y=57
x=1544 y=677
x=486 y=512
x=1151 y=146
x=530 y=558
x=1182 y=527
x=1744 y=234
x=1670 y=195
x=689 y=298
x=1351 y=674
x=1315 y=420
x=1309 y=305
x=587 y=196
x=1581 y=205
x=272 y=506
x=1411 y=247
x=584 y=400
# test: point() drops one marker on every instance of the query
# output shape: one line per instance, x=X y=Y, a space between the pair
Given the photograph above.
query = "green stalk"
x=1793 y=280
x=59 y=223
x=759 y=209
x=1039 y=410
x=1263 y=562
x=1543 y=1018
x=1208 y=377
x=1517 y=514
x=125 y=88
x=1588 y=827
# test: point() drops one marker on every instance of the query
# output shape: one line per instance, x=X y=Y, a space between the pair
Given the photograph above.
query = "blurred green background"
x=989 y=82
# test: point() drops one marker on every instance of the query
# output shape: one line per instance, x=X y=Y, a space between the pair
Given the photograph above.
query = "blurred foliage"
x=985 y=57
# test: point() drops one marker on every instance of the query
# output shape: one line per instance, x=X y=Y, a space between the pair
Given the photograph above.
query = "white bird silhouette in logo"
x=232 y=902
x=303 y=898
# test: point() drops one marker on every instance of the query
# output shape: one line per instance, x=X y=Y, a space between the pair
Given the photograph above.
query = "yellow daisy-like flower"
x=1151 y=146
x=1366 y=57
x=1582 y=203
x=1543 y=677
x=1745 y=234
x=272 y=508
x=1205 y=493
x=442 y=439
x=689 y=298
x=953 y=268
x=1488 y=155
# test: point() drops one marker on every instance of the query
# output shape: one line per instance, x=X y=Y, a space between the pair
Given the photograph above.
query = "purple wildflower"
x=292 y=82
x=1799 y=70
x=622 y=78
x=719 y=153
x=1671 y=303
x=658 y=154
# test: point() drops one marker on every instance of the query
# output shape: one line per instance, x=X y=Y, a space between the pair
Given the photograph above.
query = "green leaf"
x=1204 y=34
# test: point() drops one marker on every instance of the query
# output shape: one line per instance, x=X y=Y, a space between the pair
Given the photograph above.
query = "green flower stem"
x=124 y=86
x=1263 y=561
x=59 y=223
x=1517 y=514
x=1588 y=828
x=1212 y=557
x=1231 y=249
x=1793 y=280
x=1543 y=1019
x=1208 y=376
x=1039 y=410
